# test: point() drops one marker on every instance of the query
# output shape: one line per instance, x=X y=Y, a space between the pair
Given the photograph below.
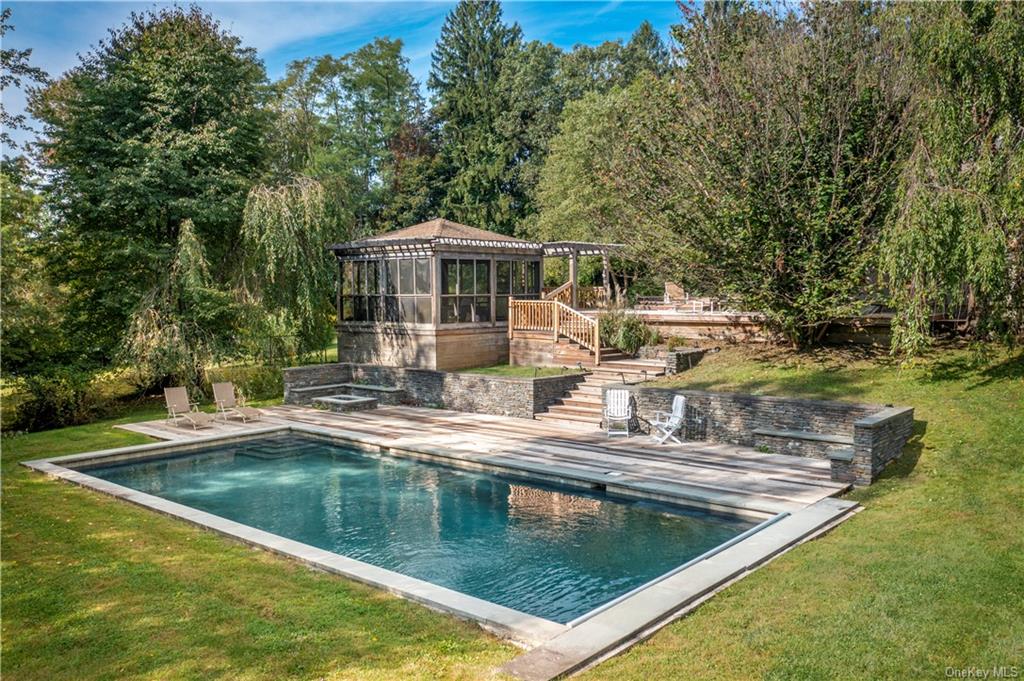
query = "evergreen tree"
x=475 y=45
x=529 y=84
x=645 y=51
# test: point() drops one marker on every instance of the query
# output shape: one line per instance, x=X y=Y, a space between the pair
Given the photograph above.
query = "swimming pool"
x=552 y=552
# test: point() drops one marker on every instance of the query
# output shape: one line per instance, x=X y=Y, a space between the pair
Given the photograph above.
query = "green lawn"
x=520 y=371
x=929 y=575
x=94 y=588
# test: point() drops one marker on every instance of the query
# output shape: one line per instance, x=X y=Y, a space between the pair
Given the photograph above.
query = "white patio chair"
x=666 y=424
x=618 y=408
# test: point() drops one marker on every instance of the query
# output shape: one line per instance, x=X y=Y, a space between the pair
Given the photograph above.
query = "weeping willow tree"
x=183 y=323
x=956 y=236
x=289 y=275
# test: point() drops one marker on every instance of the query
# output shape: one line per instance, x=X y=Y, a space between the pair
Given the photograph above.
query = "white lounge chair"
x=228 y=405
x=666 y=424
x=618 y=408
x=179 y=407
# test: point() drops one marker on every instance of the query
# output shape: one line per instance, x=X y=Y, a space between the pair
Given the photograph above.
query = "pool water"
x=551 y=552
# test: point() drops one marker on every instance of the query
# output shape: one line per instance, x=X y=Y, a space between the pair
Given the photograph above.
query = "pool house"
x=442 y=295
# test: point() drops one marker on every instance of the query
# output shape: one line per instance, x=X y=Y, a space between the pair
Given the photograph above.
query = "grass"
x=929 y=575
x=97 y=589
x=520 y=371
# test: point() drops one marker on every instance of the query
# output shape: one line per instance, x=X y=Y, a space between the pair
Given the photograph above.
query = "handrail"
x=562 y=294
x=559 y=319
x=587 y=297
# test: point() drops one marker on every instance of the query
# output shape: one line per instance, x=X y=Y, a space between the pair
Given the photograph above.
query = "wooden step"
x=633 y=363
x=582 y=400
x=575 y=419
x=584 y=410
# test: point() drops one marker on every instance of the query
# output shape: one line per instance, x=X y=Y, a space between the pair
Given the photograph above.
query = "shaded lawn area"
x=929 y=575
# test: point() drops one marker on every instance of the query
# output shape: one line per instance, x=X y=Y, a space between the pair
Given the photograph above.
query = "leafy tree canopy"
x=161 y=123
x=15 y=69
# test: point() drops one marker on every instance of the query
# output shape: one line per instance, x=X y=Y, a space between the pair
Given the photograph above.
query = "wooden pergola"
x=574 y=250
x=439 y=294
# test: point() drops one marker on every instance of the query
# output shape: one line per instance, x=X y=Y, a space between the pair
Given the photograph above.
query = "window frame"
x=372 y=292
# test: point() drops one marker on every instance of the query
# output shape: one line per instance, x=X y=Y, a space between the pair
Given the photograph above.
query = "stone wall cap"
x=884 y=414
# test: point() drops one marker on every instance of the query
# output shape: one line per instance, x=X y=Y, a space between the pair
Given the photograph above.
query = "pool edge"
x=554 y=649
x=516 y=626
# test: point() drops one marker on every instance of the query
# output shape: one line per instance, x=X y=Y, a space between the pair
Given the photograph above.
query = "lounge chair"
x=228 y=405
x=666 y=424
x=180 y=407
x=618 y=409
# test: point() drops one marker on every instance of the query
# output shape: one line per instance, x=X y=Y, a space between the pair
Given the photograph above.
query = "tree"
x=528 y=83
x=415 y=169
x=474 y=47
x=288 y=273
x=765 y=170
x=340 y=121
x=955 y=237
x=612 y=64
x=183 y=323
x=14 y=69
x=299 y=131
x=160 y=123
x=576 y=200
x=31 y=338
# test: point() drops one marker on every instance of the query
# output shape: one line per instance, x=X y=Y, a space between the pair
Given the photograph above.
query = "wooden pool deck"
x=718 y=476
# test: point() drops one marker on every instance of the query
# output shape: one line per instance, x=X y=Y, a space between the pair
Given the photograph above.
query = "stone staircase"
x=582 y=405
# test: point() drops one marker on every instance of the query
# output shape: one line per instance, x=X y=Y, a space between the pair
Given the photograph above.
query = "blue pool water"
x=552 y=552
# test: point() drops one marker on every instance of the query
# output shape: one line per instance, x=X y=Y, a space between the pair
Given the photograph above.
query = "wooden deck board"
x=704 y=470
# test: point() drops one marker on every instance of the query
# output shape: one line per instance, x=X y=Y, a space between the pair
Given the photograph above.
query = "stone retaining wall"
x=676 y=361
x=878 y=432
x=477 y=393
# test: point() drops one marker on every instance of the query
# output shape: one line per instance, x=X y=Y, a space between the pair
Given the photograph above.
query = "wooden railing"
x=562 y=294
x=587 y=297
x=559 y=319
x=591 y=297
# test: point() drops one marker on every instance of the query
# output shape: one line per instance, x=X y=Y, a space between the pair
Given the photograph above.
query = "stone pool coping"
x=555 y=649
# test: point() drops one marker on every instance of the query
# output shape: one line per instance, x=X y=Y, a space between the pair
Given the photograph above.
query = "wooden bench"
x=837 y=447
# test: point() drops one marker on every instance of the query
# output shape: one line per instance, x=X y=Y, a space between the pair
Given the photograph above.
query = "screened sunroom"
x=434 y=295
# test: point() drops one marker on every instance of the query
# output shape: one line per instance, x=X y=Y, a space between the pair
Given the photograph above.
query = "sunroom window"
x=465 y=291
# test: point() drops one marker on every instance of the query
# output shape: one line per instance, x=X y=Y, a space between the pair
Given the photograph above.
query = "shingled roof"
x=424 y=238
x=439 y=228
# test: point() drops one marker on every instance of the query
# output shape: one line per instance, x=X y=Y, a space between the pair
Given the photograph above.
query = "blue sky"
x=284 y=31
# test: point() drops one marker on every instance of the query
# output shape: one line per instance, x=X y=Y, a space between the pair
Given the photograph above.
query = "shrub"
x=254 y=382
x=626 y=332
x=678 y=342
x=58 y=397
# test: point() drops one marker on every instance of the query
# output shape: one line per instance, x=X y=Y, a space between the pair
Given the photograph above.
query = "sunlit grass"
x=521 y=371
x=929 y=575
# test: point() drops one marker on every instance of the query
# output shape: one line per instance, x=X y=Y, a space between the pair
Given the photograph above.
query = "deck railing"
x=557 y=318
x=587 y=297
x=562 y=294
